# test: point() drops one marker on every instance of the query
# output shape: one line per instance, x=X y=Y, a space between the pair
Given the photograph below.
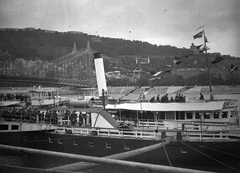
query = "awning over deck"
x=171 y=106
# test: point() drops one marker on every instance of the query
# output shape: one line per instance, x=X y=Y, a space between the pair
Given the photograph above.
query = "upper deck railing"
x=145 y=134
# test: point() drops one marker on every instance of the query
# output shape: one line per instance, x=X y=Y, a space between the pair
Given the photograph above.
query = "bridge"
x=73 y=69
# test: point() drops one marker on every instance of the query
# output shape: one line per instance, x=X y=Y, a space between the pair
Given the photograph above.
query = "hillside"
x=30 y=43
x=37 y=43
x=34 y=44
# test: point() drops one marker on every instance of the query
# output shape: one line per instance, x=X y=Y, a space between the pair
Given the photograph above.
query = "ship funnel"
x=100 y=74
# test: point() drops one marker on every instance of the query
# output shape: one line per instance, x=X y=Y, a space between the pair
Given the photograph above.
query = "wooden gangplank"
x=108 y=161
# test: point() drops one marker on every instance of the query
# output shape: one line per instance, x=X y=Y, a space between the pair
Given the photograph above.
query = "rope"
x=218 y=151
x=211 y=157
x=167 y=155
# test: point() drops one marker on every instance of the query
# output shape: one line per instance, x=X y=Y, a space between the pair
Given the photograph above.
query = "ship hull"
x=177 y=153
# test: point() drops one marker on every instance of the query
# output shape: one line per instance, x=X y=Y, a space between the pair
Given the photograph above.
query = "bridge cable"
x=210 y=157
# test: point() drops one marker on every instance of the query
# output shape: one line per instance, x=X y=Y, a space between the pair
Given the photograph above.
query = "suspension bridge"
x=73 y=69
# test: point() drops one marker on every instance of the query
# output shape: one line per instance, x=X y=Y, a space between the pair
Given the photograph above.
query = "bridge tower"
x=74 y=48
x=90 y=68
x=75 y=68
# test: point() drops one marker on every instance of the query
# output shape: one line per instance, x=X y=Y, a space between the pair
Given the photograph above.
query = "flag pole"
x=209 y=78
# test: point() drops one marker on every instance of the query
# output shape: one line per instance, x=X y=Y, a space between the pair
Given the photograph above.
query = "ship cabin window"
x=161 y=115
x=60 y=141
x=108 y=145
x=189 y=115
x=126 y=147
x=15 y=127
x=24 y=137
x=90 y=143
x=50 y=140
x=206 y=115
x=180 y=115
x=198 y=115
x=170 y=115
x=183 y=149
x=224 y=114
x=75 y=142
x=3 y=127
x=216 y=115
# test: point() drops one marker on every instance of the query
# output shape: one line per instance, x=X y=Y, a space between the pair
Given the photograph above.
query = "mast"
x=208 y=70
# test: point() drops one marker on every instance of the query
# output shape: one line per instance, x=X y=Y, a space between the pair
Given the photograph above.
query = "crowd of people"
x=35 y=115
x=165 y=99
x=8 y=96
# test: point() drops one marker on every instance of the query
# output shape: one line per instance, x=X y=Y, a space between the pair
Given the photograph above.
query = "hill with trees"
x=32 y=44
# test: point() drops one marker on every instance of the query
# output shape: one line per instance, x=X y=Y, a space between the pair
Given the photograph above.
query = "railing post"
x=179 y=135
x=163 y=136
x=98 y=132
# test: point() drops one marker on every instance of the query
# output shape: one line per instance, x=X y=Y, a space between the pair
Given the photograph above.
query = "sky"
x=160 y=22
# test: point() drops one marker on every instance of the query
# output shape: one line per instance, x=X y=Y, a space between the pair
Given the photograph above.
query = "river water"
x=46 y=162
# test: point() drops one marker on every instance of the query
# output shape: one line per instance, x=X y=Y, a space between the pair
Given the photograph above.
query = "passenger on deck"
x=80 y=122
x=201 y=97
x=152 y=99
x=158 y=98
x=164 y=98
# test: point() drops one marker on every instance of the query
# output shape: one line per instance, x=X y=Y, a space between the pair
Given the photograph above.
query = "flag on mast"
x=177 y=62
x=198 y=35
x=217 y=60
x=232 y=69
x=204 y=48
x=186 y=56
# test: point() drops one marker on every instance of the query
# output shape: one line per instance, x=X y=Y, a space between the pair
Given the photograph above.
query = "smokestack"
x=100 y=74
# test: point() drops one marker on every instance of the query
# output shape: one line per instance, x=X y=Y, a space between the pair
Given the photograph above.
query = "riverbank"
x=125 y=89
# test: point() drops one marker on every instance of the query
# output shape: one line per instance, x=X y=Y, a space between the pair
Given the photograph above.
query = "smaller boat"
x=45 y=97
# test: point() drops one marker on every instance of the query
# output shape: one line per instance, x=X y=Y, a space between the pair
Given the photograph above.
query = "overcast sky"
x=161 y=22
